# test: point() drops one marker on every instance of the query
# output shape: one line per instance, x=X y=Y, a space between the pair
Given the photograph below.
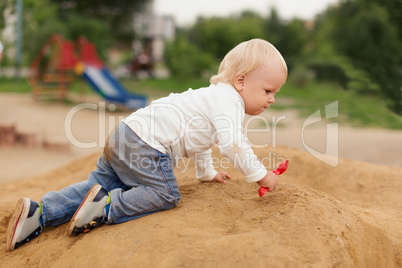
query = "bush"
x=38 y=36
x=185 y=60
x=96 y=31
x=341 y=71
x=300 y=76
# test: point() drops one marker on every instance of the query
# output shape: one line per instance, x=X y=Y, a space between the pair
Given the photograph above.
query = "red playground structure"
x=52 y=71
x=58 y=65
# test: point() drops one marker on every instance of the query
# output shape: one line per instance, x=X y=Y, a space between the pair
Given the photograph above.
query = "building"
x=153 y=32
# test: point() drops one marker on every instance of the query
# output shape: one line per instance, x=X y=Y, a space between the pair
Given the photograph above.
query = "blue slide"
x=109 y=88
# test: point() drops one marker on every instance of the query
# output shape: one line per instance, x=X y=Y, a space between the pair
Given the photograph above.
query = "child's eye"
x=267 y=91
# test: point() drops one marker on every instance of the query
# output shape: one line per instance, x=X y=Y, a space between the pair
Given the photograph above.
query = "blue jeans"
x=139 y=178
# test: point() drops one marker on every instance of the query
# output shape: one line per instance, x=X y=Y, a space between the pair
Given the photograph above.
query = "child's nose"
x=271 y=100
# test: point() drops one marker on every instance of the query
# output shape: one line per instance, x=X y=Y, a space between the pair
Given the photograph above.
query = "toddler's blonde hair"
x=246 y=57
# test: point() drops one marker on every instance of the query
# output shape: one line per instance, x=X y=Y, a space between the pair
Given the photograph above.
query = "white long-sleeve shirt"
x=189 y=124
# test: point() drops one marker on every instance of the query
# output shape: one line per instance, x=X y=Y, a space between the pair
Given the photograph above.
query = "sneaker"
x=24 y=224
x=92 y=211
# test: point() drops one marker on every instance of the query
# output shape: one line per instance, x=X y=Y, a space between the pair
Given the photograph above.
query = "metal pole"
x=18 y=57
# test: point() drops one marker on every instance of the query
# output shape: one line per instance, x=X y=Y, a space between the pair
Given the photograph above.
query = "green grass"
x=16 y=86
x=156 y=88
x=354 y=109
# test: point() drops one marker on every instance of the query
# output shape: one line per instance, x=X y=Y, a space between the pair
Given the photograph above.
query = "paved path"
x=90 y=126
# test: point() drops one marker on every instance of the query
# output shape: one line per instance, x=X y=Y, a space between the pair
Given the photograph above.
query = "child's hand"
x=220 y=176
x=270 y=181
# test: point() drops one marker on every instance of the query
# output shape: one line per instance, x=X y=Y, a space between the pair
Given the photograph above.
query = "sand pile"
x=319 y=216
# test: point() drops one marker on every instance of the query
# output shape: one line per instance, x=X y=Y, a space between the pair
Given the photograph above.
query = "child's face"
x=259 y=87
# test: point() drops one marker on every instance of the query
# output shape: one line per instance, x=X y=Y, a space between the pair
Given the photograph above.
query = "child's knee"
x=170 y=203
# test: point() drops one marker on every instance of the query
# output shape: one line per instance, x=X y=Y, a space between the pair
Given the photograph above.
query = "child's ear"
x=239 y=81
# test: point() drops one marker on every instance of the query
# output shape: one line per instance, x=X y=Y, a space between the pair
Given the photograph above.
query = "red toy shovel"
x=282 y=168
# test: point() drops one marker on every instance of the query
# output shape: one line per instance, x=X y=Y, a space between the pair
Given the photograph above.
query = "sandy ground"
x=85 y=128
x=319 y=216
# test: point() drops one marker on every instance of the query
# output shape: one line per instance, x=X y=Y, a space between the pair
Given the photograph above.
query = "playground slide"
x=109 y=88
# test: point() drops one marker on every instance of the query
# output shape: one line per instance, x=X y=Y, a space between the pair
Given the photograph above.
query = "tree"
x=95 y=30
x=219 y=35
x=100 y=21
x=293 y=41
x=273 y=28
x=117 y=14
x=366 y=36
x=4 y=4
x=185 y=60
x=40 y=23
x=392 y=7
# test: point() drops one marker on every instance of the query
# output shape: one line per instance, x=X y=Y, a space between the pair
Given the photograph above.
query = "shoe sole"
x=84 y=205
x=17 y=221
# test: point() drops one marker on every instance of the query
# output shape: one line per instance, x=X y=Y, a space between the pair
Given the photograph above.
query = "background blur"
x=355 y=45
x=347 y=51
